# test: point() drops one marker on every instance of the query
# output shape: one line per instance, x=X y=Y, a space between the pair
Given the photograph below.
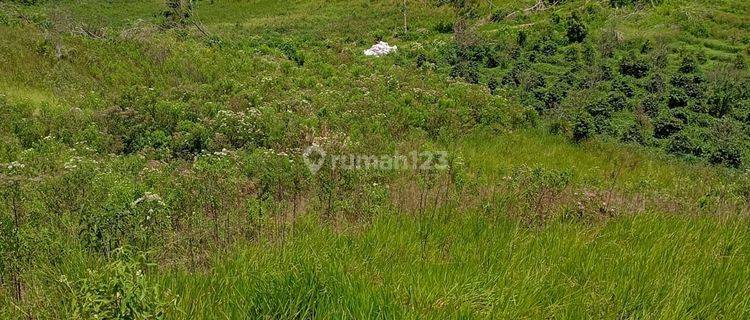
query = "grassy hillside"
x=153 y=162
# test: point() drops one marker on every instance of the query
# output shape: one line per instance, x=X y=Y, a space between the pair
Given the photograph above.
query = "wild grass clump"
x=120 y=290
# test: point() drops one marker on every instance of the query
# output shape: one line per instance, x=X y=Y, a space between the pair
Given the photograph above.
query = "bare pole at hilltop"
x=403 y=10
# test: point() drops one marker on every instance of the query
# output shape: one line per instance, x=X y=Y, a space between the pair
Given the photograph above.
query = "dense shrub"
x=583 y=126
x=178 y=12
x=728 y=144
x=556 y=69
x=498 y=15
x=666 y=124
x=739 y=62
x=635 y=133
x=292 y=53
x=634 y=66
x=728 y=152
x=467 y=70
x=576 y=29
x=443 y=27
x=546 y=45
x=123 y=216
x=686 y=143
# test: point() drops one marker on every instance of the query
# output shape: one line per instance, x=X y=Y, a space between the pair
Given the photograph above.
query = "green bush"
x=739 y=62
x=443 y=27
x=583 y=126
x=634 y=66
x=498 y=15
x=576 y=29
x=666 y=124
x=466 y=70
x=728 y=144
x=686 y=143
x=635 y=133
x=292 y=53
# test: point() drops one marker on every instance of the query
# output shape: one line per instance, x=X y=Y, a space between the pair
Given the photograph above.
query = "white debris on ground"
x=380 y=49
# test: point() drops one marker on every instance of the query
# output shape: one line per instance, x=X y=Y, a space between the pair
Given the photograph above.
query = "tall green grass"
x=469 y=265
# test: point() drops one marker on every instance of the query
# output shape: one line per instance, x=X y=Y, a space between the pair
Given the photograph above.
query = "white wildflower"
x=148 y=197
x=16 y=165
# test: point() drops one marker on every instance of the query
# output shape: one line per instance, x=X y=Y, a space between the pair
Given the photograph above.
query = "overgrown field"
x=593 y=159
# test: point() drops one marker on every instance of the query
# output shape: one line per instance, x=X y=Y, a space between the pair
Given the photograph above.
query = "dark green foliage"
x=557 y=68
x=443 y=27
x=291 y=52
x=421 y=60
x=666 y=124
x=618 y=102
x=545 y=45
x=178 y=12
x=686 y=143
x=739 y=62
x=28 y=2
x=583 y=126
x=728 y=152
x=467 y=55
x=656 y=83
x=728 y=145
x=652 y=104
x=677 y=98
x=464 y=8
x=635 y=133
x=467 y=70
x=498 y=15
x=601 y=108
x=576 y=29
x=689 y=64
x=634 y=66
x=521 y=38
x=552 y=94
x=493 y=84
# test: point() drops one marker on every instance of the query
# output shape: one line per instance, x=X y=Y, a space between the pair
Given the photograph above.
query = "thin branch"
x=200 y=28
